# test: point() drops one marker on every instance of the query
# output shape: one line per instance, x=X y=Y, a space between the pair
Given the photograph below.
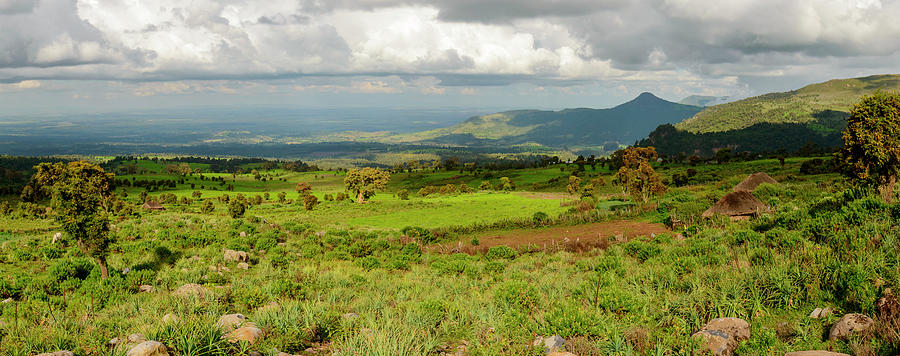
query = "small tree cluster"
x=365 y=182
x=636 y=177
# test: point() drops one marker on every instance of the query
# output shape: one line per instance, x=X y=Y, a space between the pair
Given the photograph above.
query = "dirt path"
x=577 y=238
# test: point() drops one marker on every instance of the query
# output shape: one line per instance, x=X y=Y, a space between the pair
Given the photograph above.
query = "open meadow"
x=478 y=271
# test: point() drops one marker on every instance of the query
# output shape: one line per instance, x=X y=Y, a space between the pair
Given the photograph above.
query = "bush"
x=500 y=252
x=310 y=201
x=403 y=194
x=517 y=295
x=207 y=207
x=236 y=208
x=540 y=217
x=423 y=235
x=368 y=263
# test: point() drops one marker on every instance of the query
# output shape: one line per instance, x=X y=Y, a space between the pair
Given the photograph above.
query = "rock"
x=56 y=237
x=351 y=316
x=148 y=348
x=550 y=344
x=849 y=324
x=7 y=300
x=815 y=353
x=145 y=288
x=247 y=333
x=113 y=342
x=170 y=318
x=230 y=322
x=136 y=338
x=191 y=290
x=722 y=335
x=242 y=234
x=821 y=313
x=236 y=256
x=243 y=266
x=58 y=353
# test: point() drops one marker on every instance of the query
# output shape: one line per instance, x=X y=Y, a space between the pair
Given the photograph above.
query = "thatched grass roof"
x=753 y=181
x=152 y=205
x=736 y=204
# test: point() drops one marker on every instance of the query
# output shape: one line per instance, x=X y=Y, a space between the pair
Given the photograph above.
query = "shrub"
x=423 y=235
x=310 y=201
x=403 y=194
x=517 y=295
x=368 y=263
x=500 y=252
x=236 y=209
x=207 y=207
x=540 y=217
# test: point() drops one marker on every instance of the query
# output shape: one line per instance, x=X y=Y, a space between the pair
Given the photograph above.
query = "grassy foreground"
x=344 y=279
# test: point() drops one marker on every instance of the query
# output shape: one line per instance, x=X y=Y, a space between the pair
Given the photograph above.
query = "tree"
x=637 y=177
x=872 y=142
x=364 y=182
x=506 y=184
x=207 y=207
x=281 y=196
x=310 y=201
x=304 y=188
x=80 y=191
x=236 y=208
x=574 y=185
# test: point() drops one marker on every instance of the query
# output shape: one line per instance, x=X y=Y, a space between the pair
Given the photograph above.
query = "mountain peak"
x=647 y=96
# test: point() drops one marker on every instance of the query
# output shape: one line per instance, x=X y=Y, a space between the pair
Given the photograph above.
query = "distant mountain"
x=623 y=124
x=703 y=100
x=787 y=121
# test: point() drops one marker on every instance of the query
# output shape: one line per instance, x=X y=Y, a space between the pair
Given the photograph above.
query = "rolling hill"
x=623 y=124
x=786 y=121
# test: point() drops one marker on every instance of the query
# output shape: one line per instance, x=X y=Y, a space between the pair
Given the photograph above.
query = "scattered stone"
x=815 y=353
x=195 y=258
x=819 y=313
x=145 y=288
x=230 y=322
x=550 y=344
x=190 y=290
x=126 y=270
x=148 y=348
x=236 y=256
x=56 y=237
x=849 y=324
x=249 y=334
x=136 y=338
x=170 y=318
x=243 y=266
x=320 y=233
x=113 y=342
x=242 y=234
x=722 y=335
x=7 y=300
x=58 y=353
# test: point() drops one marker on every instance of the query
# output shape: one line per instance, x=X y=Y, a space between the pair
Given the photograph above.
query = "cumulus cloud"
x=466 y=43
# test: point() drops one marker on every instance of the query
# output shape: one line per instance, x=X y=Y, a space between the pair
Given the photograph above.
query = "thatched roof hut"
x=153 y=206
x=739 y=205
x=754 y=180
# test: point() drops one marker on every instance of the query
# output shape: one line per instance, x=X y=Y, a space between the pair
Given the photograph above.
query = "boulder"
x=56 y=237
x=721 y=336
x=821 y=313
x=243 y=266
x=191 y=290
x=815 y=353
x=145 y=288
x=148 y=348
x=229 y=322
x=136 y=338
x=236 y=256
x=249 y=334
x=550 y=343
x=242 y=234
x=849 y=324
x=58 y=353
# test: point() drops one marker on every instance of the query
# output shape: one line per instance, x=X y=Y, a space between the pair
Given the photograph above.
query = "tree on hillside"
x=80 y=191
x=364 y=182
x=872 y=142
x=574 y=185
x=637 y=177
x=304 y=188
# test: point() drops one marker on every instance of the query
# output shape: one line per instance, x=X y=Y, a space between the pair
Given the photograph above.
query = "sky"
x=59 y=56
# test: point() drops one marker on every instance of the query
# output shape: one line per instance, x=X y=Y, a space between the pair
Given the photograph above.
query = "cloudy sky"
x=105 y=55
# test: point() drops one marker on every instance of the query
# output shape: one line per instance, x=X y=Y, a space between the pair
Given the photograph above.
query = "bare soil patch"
x=578 y=238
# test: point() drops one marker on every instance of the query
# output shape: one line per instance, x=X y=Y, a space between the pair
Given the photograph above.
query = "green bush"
x=517 y=295
x=368 y=262
x=500 y=252
x=423 y=235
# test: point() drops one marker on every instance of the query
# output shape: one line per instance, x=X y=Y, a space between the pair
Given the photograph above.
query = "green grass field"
x=823 y=244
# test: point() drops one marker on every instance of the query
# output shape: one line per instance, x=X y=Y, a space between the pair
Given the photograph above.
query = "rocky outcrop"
x=721 y=336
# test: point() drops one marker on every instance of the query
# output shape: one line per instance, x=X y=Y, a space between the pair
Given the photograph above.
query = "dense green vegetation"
x=360 y=279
